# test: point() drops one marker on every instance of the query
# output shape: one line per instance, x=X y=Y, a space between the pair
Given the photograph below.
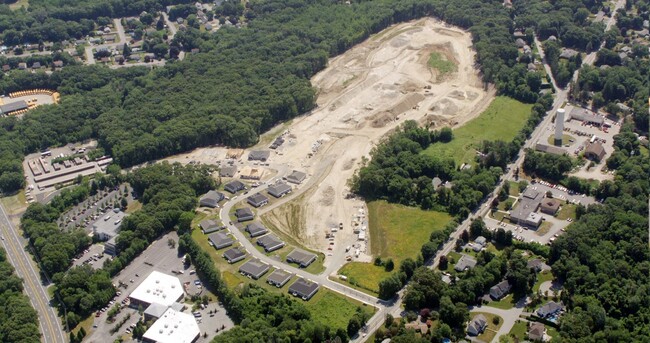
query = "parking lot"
x=94 y=208
x=93 y=256
x=158 y=257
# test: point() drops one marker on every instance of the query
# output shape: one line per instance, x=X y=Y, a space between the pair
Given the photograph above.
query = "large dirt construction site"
x=363 y=95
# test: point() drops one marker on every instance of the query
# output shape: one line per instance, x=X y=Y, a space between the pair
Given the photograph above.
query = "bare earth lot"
x=362 y=96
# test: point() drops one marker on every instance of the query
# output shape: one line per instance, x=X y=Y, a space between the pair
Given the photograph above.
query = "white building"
x=173 y=327
x=157 y=288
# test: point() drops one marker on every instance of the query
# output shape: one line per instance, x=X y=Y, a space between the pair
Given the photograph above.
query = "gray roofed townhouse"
x=228 y=171
x=244 y=214
x=209 y=226
x=256 y=229
x=259 y=155
x=549 y=309
x=233 y=255
x=477 y=325
x=220 y=240
x=296 y=177
x=270 y=243
x=304 y=289
x=279 y=278
x=234 y=186
x=500 y=290
x=211 y=199
x=254 y=269
x=301 y=257
x=257 y=200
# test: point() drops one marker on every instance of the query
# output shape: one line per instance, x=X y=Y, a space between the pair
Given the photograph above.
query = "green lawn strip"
x=345 y=282
x=566 y=139
x=503 y=119
x=398 y=231
x=518 y=331
x=514 y=188
x=551 y=331
x=333 y=309
x=567 y=211
x=440 y=62
x=544 y=228
x=491 y=329
x=541 y=278
x=498 y=215
x=364 y=275
x=505 y=304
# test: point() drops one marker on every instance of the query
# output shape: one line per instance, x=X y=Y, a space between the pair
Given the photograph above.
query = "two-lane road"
x=50 y=327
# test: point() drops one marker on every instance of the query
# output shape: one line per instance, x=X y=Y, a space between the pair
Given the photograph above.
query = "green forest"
x=241 y=83
x=18 y=320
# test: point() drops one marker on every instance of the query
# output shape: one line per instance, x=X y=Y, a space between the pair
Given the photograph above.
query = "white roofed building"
x=173 y=327
x=157 y=288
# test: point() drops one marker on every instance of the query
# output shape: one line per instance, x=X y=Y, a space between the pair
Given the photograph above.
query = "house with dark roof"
x=256 y=229
x=301 y=257
x=228 y=171
x=464 y=263
x=36 y=65
x=279 y=189
x=254 y=269
x=233 y=255
x=537 y=265
x=270 y=243
x=500 y=290
x=279 y=278
x=595 y=151
x=234 y=186
x=296 y=177
x=209 y=226
x=550 y=206
x=477 y=325
x=257 y=200
x=244 y=214
x=536 y=332
x=259 y=155
x=220 y=240
x=549 y=309
x=304 y=289
x=211 y=199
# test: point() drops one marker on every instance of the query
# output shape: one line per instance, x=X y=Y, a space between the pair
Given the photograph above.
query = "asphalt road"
x=51 y=330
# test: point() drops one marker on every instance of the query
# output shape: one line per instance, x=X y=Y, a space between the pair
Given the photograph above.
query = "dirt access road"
x=362 y=96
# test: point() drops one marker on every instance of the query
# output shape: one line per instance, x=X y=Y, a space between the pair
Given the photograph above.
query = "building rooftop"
x=244 y=213
x=211 y=199
x=279 y=189
x=234 y=186
x=155 y=310
x=595 y=150
x=256 y=229
x=13 y=106
x=108 y=228
x=228 y=171
x=586 y=115
x=303 y=288
x=301 y=257
x=254 y=268
x=257 y=199
x=279 y=277
x=465 y=262
x=296 y=177
x=158 y=288
x=270 y=242
x=233 y=254
x=173 y=327
x=550 y=149
x=209 y=226
x=220 y=239
x=259 y=155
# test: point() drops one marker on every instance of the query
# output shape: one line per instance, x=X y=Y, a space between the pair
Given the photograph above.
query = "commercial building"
x=549 y=206
x=244 y=214
x=220 y=240
x=524 y=212
x=173 y=327
x=13 y=107
x=296 y=177
x=254 y=269
x=500 y=290
x=234 y=186
x=270 y=243
x=157 y=288
x=595 y=151
x=211 y=199
x=256 y=229
x=279 y=189
x=108 y=226
x=234 y=255
x=279 y=278
x=301 y=257
x=257 y=200
x=155 y=310
x=303 y=289
x=585 y=116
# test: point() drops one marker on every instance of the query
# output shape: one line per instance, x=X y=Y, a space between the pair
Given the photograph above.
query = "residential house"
x=477 y=325
x=500 y=290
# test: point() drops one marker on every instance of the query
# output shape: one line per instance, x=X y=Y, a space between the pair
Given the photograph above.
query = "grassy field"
x=566 y=139
x=505 y=304
x=15 y=203
x=491 y=329
x=440 y=62
x=518 y=331
x=332 y=309
x=398 y=231
x=541 y=278
x=567 y=211
x=364 y=275
x=514 y=188
x=502 y=119
x=544 y=228
x=134 y=206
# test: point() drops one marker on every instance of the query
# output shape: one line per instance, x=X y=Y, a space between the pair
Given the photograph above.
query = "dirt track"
x=363 y=95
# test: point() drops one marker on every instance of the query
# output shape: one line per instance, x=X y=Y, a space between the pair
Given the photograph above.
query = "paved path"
x=14 y=244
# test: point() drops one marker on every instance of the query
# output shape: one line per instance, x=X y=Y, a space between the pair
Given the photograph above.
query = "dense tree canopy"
x=18 y=320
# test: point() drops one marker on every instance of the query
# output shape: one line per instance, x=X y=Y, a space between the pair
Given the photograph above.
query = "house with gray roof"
x=279 y=278
x=244 y=214
x=209 y=226
x=279 y=189
x=270 y=243
x=233 y=255
x=296 y=177
x=228 y=171
x=304 y=289
x=477 y=325
x=301 y=257
x=465 y=262
x=220 y=240
x=211 y=199
x=254 y=269
x=256 y=229
x=257 y=200
x=259 y=155
x=234 y=186
x=549 y=309
x=500 y=290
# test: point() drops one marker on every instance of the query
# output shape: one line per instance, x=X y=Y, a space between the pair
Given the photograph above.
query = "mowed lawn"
x=332 y=309
x=398 y=231
x=364 y=275
x=502 y=120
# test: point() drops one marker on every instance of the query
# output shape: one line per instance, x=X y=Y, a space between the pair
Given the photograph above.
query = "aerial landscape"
x=324 y=171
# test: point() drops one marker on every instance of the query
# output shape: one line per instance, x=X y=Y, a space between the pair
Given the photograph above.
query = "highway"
x=14 y=244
